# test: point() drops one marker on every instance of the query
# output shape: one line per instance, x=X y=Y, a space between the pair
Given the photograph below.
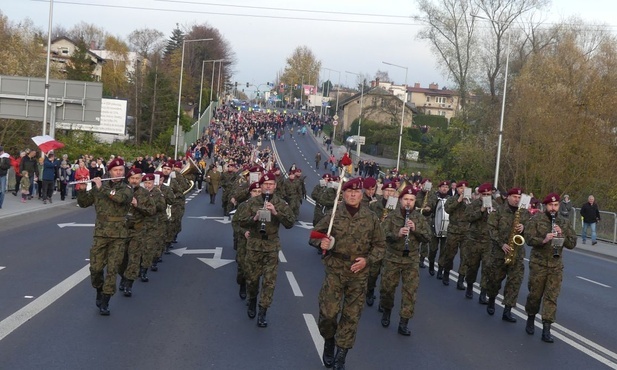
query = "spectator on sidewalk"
x=591 y=216
x=29 y=163
x=24 y=186
x=5 y=165
x=565 y=207
x=48 y=176
x=16 y=165
x=39 y=177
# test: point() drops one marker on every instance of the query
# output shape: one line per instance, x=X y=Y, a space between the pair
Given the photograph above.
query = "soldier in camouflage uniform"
x=238 y=192
x=357 y=241
x=240 y=240
x=376 y=204
x=437 y=243
x=141 y=211
x=478 y=246
x=323 y=194
x=457 y=234
x=164 y=231
x=263 y=244
x=420 y=197
x=111 y=200
x=227 y=179
x=405 y=229
x=546 y=263
x=302 y=179
x=183 y=186
x=155 y=226
x=292 y=192
x=501 y=223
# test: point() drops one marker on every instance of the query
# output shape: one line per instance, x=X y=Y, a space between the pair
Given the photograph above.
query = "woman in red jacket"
x=16 y=163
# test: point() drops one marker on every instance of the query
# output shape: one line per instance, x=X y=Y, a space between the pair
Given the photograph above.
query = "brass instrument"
x=262 y=228
x=557 y=241
x=426 y=188
x=406 y=251
x=88 y=181
x=515 y=240
x=402 y=186
x=190 y=168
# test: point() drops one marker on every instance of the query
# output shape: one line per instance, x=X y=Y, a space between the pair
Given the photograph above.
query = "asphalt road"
x=189 y=315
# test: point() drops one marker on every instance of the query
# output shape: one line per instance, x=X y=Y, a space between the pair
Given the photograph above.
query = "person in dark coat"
x=591 y=216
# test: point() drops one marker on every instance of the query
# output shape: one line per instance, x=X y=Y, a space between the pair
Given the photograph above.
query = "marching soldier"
x=111 y=200
x=227 y=179
x=263 y=244
x=153 y=225
x=164 y=232
x=508 y=220
x=422 y=197
x=404 y=231
x=345 y=283
x=547 y=234
x=458 y=229
x=438 y=243
x=323 y=194
x=184 y=185
x=292 y=192
x=213 y=179
x=479 y=242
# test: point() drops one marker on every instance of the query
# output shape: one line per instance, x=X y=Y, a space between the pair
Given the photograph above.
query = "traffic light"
x=247 y=84
x=236 y=83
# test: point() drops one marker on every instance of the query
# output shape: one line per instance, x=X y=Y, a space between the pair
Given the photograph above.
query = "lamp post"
x=360 y=117
x=337 y=91
x=503 y=101
x=201 y=86
x=400 y=136
x=177 y=134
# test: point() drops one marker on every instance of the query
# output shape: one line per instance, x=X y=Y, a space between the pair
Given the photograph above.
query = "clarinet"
x=555 y=247
x=406 y=251
x=262 y=228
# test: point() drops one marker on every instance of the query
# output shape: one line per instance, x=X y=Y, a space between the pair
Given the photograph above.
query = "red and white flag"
x=47 y=143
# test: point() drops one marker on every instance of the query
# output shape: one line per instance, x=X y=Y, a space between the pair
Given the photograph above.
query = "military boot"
x=251 y=311
x=339 y=360
x=507 y=314
x=468 y=291
x=154 y=267
x=328 y=352
x=483 y=299
x=167 y=248
x=460 y=285
x=490 y=309
x=143 y=275
x=242 y=292
x=402 y=327
x=431 y=267
x=104 y=308
x=211 y=199
x=370 y=297
x=385 y=318
x=122 y=284
x=530 y=328
x=99 y=297
x=261 y=317
x=445 y=279
x=546 y=332
x=422 y=266
x=439 y=272
x=128 y=288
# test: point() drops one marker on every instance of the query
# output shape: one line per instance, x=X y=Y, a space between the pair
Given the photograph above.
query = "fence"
x=204 y=121
x=606 y=229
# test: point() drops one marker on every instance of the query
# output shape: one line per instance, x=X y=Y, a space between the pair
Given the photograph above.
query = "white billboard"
x=113 y=119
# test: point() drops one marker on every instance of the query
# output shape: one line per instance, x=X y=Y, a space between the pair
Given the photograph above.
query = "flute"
x=87 y=181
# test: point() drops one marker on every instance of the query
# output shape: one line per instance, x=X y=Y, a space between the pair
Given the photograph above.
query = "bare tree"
x=146 y=41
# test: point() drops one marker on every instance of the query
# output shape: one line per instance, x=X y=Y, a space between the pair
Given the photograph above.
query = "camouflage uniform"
x=292 y=193
x=545 y=271
x=239 y=244
x=343 y=291
x=164 y=230
x=227 y=179
x=500 y=226
x=478 y=248
x=238 y=190
x=262 y=249
x=324 y=197
x=377 y=205
x=458 y=229
x=397 y=265
x=152 y=226
x=179 y=185
x=424 y=247
x=111 y=202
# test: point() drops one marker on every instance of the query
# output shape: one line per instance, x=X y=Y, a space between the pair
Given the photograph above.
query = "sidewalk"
x=13 y=206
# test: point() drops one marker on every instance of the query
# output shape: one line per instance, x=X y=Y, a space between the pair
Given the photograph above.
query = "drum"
x=442 y=219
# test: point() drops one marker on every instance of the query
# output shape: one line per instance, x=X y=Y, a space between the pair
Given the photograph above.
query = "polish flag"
x=47 y=143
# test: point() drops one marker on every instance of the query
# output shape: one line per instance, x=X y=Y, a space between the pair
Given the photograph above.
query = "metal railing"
x=204 y=121
x=606 y=229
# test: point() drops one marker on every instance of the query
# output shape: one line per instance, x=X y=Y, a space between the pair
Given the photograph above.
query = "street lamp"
x=201 y=86
x=337 y=91
x=180 y=95
x=503 y=100
x=360 y=117
x=400 y=136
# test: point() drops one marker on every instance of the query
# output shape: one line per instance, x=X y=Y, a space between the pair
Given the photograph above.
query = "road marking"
x=8 y=325
x=594 y=282
x=2 y=267
x=74 y=224
x=294 y=284
x=282 y=257
x=305 y=225
x=28 y=296
x=314 y=331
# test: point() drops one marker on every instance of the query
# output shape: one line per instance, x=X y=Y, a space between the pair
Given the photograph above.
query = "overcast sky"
x=357 y=36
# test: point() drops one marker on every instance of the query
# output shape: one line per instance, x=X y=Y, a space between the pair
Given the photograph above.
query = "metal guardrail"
x=204 y=121
x=606 y=229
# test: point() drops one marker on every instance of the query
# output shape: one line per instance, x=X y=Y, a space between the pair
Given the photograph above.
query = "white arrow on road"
x=74 y=224
x=2 y=267
x=305 y=225
x=223 y=220
x=215 y=262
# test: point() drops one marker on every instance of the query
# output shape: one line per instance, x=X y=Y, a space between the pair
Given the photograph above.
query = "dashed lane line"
x=594 y=282
x=294 y=284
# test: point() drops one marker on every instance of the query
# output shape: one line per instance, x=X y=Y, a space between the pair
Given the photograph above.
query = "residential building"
x=62 y=48
x=434 y=101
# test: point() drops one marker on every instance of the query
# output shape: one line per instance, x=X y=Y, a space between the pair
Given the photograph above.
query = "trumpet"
x=90 y=180
x=262 y=228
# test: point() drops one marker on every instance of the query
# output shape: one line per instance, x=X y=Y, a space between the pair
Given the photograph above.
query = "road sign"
x=335 y=117
x=335 y=122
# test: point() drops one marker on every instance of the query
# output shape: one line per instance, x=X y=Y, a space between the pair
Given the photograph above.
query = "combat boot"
x=328 y=352
x=507 y=314
x=469 y=291
x=439 y=272
x=167 y=248
x=431 y=268
x=128 y=288
x=154 y=267
x=385 y=318
x=99 y=297
x=445 y=279
x=490 y=309
x=251 y=311
x=261 y=317
x=122 y=284
x=242 y=292
x=143 y=275
x=402 y=327
x=104 y=308
x=460 y=285
x=339 y=360
x=530 y=328
x=422 y=266
x=370 y=297
x=483 y=299
x=546 y=332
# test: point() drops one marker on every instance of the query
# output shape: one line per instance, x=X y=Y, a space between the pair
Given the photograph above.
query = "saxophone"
x=514 y=240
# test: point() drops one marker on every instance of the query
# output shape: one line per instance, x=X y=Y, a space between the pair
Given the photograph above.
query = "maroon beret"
x=178 y=164
x=462 y=183
x=269 y=176
x=408 y=190
x=353 y=184
x=389 y=185
x=425 y=180
x=487 y=186
x=369 y=182
x=133 y=171
x=254 y=186
x=515 y=191
x=326 y=176
x=148 y=177
x=169 y=164
x=335 y=178
x=118 y=162
x=442 y=183
x=298 y=170
x=552 y=197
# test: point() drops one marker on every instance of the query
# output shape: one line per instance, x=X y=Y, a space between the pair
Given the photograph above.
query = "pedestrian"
x=29 y=163
x=346 y=260
x=47 y=177
x=547 y=234
x=591 y=216
x=565 y=207
x=24 y=186
x=5 y=164
x=317 y=160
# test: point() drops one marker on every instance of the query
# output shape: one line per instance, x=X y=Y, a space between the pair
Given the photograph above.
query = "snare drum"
x=442 y=219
